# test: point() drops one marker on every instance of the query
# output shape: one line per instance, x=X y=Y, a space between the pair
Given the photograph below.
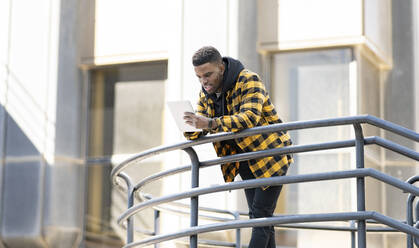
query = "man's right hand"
x=197 y=121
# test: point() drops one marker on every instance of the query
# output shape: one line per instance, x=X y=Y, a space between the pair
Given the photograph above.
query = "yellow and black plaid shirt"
x=248 y=106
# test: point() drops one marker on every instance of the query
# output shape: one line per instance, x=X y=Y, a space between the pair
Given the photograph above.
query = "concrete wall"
x=42 y=164
x=26 y=118
x=400 y=104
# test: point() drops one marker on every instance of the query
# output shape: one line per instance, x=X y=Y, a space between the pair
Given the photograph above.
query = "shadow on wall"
x=41 y=203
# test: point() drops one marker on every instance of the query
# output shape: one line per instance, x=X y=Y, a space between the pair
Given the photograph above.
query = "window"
x=311 y=85
x=126 y=111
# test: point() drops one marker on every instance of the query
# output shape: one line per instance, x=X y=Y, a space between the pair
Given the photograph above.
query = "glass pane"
x=138 y=116
x=126 y=108
x=295 y=72
x=313 y=85
x=322 y=92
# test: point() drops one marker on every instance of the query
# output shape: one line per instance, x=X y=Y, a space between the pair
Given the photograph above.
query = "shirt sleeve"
x=253 y=96
x=200 y=110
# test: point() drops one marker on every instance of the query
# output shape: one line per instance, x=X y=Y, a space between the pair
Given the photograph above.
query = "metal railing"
x=361 y=215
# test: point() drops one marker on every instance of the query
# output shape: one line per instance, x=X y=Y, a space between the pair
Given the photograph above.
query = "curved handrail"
x=183 y=205
x=277 y=220
x=278 y=151
x=359 y=173
x=236 y=215
x=253 y=183
x=372 y=120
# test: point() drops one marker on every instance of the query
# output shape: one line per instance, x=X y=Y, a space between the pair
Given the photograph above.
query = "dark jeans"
x=261 y=203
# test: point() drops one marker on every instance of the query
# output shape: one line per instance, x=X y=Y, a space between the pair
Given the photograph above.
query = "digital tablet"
x=178 y=108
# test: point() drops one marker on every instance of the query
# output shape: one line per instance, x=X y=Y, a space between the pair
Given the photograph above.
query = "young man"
x=232 y=99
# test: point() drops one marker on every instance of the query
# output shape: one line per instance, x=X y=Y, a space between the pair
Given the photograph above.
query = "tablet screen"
x=177 y=108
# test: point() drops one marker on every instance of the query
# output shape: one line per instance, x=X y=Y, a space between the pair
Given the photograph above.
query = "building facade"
x=83 y=85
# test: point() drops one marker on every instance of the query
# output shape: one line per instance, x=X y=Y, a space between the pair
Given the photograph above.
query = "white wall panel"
x=205 y=23
x=293 y=24
x=29 y=48
x=301 y=20
x=130 y=30
x=4 y=28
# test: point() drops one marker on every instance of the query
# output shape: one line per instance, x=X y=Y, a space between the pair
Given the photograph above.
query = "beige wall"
x=131 y=30
x=303 y=24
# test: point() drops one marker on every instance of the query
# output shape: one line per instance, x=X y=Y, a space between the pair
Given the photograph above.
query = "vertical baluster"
x=360 y=184
x=194 y=200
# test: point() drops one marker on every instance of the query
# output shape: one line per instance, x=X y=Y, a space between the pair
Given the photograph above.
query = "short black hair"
x=206 y=54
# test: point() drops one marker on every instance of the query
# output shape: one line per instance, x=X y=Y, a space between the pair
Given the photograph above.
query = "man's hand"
x=197 y=121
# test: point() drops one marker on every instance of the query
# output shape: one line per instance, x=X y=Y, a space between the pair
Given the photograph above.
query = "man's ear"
x=222 y=67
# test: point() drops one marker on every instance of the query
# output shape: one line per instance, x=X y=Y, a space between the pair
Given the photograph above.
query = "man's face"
x=210 y=76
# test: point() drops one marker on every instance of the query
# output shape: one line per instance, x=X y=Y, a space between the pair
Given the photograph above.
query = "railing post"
x=409 y=208
x=193 y=241
x=130 y=203
x=238 y=230
x=156 y=225
x=360 y=184
x=352 y=234
x=417 y=212
x=416 y=239
x=409 y=219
